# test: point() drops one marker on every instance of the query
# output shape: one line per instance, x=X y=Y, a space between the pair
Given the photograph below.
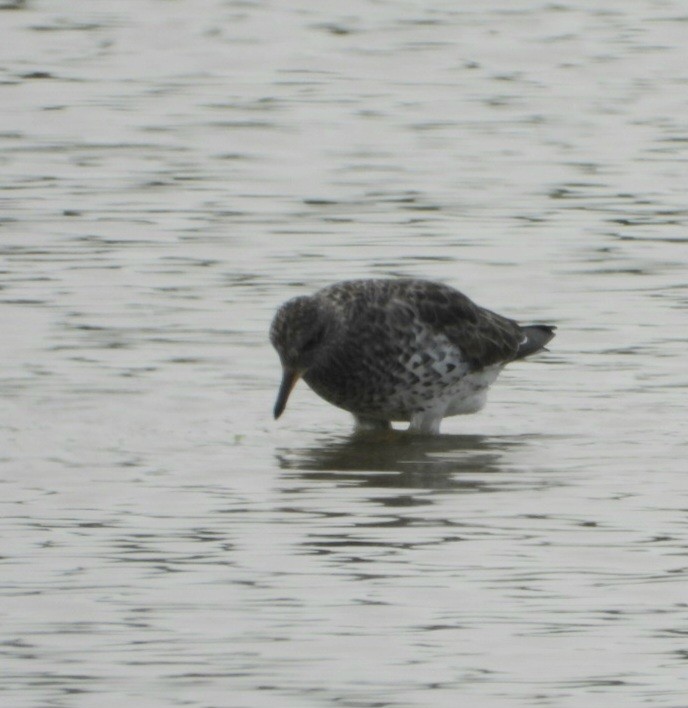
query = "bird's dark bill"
x=289 y=379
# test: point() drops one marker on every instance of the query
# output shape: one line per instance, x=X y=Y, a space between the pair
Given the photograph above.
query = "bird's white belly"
x=440 y=378
x=470 y=394
x=467 y=395
x=456 y=394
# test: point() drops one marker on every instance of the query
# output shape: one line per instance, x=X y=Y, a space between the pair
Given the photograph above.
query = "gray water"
x=172 y=172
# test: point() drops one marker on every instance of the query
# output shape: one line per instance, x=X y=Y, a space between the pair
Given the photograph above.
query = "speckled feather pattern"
x=407 y=350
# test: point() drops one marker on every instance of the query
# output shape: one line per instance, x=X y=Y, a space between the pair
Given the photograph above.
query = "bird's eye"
x=312 y=341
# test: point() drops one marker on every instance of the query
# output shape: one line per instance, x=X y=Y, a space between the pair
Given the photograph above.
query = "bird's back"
x=377 y=306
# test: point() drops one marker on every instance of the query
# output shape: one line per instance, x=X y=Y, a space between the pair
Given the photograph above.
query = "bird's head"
x=300 y=332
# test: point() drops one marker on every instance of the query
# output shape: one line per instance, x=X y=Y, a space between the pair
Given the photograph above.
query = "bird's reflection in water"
x=402 y=480
x=398 y=460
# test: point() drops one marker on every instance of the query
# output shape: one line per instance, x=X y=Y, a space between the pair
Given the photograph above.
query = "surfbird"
x=397 y=350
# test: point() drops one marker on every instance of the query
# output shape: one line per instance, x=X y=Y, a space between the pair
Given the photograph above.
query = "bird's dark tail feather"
x=535 y=339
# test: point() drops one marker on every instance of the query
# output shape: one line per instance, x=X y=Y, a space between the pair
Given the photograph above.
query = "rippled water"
x=172 y=171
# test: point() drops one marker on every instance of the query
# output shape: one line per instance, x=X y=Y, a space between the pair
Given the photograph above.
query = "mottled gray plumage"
x=407 y=350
